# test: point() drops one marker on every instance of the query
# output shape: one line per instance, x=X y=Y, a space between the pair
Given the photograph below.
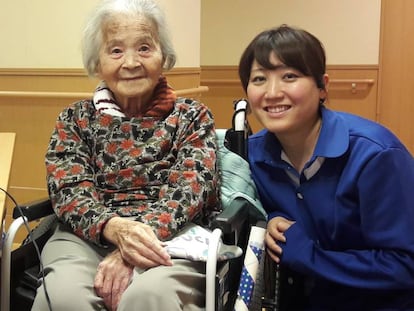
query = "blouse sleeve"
x=70 y=175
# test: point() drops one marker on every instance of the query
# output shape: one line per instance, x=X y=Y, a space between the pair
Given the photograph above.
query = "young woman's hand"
x=274 y=235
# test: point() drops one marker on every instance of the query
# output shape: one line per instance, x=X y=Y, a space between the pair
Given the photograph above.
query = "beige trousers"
x=70 y=265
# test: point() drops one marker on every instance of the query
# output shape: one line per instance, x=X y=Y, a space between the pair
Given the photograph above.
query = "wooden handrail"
x=222 y=81
x=195 y=90
x=353 y=85
x=352 y=81
x=332 y=81
x=39 y=94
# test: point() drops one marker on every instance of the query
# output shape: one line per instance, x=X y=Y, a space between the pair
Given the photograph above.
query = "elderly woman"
x=126 y=171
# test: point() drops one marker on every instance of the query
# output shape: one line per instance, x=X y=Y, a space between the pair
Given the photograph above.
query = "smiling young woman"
x=336 y=187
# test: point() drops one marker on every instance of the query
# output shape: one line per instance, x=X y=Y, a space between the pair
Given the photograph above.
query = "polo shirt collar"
x=333 y=140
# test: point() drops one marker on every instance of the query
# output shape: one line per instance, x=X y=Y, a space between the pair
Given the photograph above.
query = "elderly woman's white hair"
x=93 y=37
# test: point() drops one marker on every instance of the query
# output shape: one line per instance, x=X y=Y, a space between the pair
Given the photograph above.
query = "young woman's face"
x=130 y=59
x=283 y=99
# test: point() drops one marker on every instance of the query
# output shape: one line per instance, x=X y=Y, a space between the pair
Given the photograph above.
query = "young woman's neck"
x=299 y=147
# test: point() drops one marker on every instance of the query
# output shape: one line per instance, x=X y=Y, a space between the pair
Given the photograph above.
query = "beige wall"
x=349 y=29
x=46 y=33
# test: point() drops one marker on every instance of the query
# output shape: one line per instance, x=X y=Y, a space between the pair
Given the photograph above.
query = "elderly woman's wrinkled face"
x=130 y=59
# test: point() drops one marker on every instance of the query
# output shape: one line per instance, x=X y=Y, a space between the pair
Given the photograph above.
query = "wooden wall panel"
x=6 y=157
x=354 y=89
x=224 y=89
x=396 y=91
x=32 y=121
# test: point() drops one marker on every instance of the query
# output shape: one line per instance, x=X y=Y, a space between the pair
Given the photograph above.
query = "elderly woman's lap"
x=177 y=287
x=70 y=268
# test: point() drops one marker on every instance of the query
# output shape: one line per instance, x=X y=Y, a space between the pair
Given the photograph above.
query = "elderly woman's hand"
x=275 y=233
x=112 y=278
x=137 y=243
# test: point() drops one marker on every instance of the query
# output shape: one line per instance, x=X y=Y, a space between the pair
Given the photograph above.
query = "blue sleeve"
x=386 y=197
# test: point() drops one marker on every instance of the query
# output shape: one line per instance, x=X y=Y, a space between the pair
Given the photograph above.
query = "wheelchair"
x=21 y=271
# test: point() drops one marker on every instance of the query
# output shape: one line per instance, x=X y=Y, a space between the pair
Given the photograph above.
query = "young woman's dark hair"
x=295 y=47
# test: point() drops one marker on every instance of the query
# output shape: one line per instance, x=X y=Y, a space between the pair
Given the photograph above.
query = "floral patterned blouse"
x=161 y=172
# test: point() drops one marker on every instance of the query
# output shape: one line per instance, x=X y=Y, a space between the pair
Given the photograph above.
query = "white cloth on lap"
x=192 y=243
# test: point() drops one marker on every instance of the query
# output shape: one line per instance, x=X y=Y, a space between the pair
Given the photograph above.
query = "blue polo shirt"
x=354 y=210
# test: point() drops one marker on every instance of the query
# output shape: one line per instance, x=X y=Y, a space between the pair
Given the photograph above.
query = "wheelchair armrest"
x=233 y=217
x=34 y=210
